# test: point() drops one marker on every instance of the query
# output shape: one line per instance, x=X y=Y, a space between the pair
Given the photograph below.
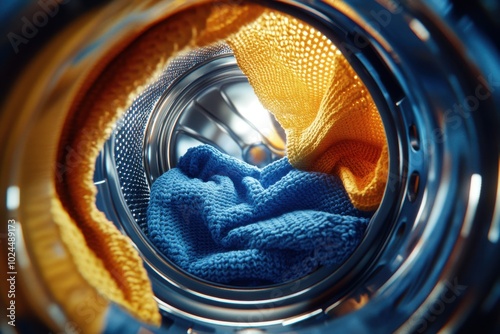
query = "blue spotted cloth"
x=229 y=222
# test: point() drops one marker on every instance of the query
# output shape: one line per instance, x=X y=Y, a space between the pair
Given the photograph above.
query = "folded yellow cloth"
x=104 y=257
x=331 y=122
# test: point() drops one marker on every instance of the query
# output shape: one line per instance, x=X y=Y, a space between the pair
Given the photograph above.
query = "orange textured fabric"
x=331 y=122
x=104 y=257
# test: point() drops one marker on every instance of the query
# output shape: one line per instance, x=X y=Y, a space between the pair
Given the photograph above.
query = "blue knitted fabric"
x=226 y=221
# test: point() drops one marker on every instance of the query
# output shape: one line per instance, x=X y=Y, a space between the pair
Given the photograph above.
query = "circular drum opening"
x=203 y=97
x=431 y=72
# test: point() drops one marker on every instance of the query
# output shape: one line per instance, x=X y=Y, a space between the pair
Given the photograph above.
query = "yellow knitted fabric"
x=104 y=257
x=331 y=122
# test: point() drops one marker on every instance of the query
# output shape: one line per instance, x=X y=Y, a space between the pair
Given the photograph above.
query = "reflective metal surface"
x=203 y=97
x=428 y=264
x=212 y=104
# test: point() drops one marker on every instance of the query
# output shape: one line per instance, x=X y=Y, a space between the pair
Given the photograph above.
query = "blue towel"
x=226 y=221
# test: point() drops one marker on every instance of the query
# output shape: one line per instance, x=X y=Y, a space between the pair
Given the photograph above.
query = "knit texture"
x=226 y=221
x=332 y=125
x=105 y=258
x=331 y=122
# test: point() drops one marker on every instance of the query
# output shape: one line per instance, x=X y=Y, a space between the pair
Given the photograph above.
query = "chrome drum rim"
x=434 y=267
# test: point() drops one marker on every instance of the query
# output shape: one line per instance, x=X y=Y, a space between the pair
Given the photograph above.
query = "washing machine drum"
x=251 y=167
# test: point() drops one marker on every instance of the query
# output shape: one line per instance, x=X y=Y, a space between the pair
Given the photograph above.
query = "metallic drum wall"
x=429 y=259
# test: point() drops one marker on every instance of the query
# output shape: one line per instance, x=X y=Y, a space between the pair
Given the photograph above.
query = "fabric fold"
x=104 y=257
x=226 y=221
x=331 y=122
